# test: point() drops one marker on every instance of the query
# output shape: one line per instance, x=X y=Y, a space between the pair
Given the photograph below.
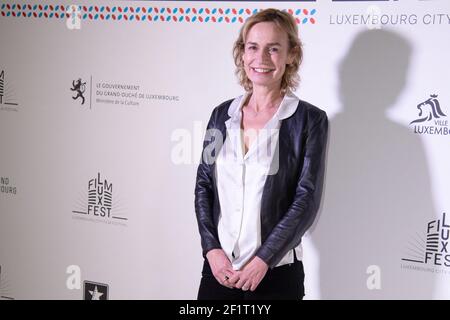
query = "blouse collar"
x=286 y=109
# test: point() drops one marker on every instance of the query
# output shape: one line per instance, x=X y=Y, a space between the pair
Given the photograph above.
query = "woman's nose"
x=263 y=55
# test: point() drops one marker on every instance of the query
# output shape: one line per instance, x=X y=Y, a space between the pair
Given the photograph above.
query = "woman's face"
x=266 y=54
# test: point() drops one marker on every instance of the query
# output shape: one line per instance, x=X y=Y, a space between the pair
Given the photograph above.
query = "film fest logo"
x=4 y=287
x=6 y=187
x=434 y=250
x=7 y=98
x=99 y=206
x=431 y=118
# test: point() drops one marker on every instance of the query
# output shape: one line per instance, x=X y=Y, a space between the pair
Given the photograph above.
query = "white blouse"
x=241 y=179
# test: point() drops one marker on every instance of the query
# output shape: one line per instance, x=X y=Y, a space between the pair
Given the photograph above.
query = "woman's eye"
x=273 y=50
x=251 y=48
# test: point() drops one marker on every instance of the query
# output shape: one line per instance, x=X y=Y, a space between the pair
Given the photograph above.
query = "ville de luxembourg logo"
x=8 y=100
x=99 y=204
x=434 y=249
x=95 y=291
x=431 y=118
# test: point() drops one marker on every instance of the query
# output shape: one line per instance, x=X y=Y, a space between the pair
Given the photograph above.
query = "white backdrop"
x=99 y=196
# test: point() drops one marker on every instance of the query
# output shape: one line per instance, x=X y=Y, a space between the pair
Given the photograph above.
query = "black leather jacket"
x=291 y=197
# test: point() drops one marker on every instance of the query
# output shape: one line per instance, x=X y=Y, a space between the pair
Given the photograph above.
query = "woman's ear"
x=292 y=53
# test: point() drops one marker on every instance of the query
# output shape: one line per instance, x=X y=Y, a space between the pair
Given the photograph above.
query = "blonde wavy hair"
x=286 y=22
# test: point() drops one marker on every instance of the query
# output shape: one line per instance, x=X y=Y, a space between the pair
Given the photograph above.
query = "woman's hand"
x=249 y=277
x=221 y=267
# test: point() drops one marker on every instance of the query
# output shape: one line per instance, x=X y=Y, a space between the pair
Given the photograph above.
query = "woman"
x=259 y=181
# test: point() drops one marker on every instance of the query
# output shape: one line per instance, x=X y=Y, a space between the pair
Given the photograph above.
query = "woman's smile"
x=262 y=70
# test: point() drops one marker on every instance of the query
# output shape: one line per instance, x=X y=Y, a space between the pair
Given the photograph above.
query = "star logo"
x=95 y=294
x=95 y=291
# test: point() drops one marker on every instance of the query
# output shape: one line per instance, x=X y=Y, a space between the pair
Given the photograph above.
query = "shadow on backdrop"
x=377 y=184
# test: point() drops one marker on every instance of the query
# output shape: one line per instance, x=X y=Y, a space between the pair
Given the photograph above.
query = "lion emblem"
x=79 y=87
x=429 y=109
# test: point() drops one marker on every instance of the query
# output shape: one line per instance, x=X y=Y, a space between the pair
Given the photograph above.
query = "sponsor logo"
x=431 y=119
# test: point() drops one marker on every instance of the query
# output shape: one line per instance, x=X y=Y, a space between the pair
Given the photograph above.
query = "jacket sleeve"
x=204 y=189
x=287 y=234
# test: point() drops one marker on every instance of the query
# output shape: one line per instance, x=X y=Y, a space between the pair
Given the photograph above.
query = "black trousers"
x=285 y=282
